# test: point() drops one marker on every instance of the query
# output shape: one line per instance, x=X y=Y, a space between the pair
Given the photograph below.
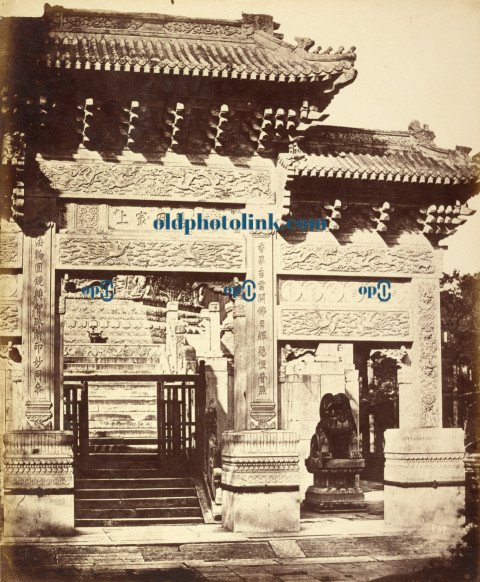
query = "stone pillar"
x=38 y=479
x=260 y=481
x=260 y=476
x=423 y=462
x=241 y=350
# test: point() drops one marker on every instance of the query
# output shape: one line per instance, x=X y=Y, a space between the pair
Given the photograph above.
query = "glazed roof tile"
x=343 y=152
x=246 y=49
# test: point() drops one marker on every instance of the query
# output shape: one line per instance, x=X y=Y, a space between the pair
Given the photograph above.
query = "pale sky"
x=417 y=59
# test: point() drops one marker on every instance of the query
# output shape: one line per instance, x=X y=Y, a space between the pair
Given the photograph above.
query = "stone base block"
x=324 y=500
x=424 y=477
x=424 y=506
x=38 y=515
x=38 y=484
x=261 y=511
x=260 y=481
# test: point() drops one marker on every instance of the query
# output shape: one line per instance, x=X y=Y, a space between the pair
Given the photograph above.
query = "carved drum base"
x=336 y=486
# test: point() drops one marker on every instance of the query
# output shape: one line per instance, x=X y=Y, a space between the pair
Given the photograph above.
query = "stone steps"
x=119 y=482
x=128 y=490
x=135 y=521
x=135 y=493
x=141 y=512
x=137 y=503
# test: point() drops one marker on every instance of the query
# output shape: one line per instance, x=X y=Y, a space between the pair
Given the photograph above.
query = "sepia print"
x=235 y=342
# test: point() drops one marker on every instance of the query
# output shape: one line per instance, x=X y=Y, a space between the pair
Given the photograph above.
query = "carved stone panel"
x=339 y=292
x=11 y=251
x=35 y=460
x=298 y=256
x=344 y=324
x=161 y=253
x=10 y=287
x=157 y=182
x=426 y=352
x=10 y=319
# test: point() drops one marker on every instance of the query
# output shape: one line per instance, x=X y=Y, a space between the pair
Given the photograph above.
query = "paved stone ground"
x=402 y=570
x=328 y=559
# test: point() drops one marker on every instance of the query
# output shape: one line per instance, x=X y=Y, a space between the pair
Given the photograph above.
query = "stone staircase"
x=122 y=490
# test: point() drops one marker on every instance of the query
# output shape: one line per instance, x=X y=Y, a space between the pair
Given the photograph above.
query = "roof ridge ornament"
x=261 y=22
x=423 y=134
x=304 y=43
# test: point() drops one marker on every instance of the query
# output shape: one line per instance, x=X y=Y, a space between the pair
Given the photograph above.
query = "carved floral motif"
x=88 y=216
x=327 y=323
x=166 y=183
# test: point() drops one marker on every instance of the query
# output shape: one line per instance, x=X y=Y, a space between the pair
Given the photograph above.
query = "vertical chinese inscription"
x=262 y=408
x=38 y=316
x=38 y=330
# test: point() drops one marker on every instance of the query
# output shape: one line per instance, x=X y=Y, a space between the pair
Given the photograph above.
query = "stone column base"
x=260 y=481
x=38 y=484
x=424 y=477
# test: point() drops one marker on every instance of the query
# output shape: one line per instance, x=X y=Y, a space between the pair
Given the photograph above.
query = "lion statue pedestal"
x=335 y=460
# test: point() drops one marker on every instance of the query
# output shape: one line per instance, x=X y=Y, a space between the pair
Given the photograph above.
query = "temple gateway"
x=158 y=397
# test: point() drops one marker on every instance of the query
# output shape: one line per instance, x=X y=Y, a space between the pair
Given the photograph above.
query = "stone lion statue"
x=336 y=433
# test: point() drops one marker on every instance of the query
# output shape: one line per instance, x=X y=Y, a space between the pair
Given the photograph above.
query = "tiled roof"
x=343 y=152
x=245 y=49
